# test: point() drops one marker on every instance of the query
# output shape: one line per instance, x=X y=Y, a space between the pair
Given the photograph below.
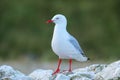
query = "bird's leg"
x=70 y=65
x=58 y=68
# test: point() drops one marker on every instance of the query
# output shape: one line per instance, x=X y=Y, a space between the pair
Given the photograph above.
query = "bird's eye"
x=57 y=18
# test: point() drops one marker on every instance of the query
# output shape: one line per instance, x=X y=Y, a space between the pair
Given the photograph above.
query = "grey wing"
x=75 y=43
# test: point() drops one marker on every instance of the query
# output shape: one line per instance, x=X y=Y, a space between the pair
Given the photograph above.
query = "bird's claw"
x=67 y=70
x=57 y=71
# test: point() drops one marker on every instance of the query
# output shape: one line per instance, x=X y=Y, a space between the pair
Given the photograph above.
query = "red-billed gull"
x=63 y=44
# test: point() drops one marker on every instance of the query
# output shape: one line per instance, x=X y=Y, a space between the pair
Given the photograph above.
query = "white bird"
x=63 y=44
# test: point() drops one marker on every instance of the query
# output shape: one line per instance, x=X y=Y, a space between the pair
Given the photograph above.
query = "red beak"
x=49 y=21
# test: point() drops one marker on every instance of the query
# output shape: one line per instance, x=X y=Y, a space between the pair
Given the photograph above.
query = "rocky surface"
x=41 y=74
x=8 y=73
x=92 y=72
x=111 y=72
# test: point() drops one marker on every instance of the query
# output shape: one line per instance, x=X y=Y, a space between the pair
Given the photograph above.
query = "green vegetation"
x=95 y=23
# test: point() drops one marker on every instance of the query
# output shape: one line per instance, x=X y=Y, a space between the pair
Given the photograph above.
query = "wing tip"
x=88 y=59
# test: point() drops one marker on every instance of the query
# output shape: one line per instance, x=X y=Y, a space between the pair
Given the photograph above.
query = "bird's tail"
x=82 y=59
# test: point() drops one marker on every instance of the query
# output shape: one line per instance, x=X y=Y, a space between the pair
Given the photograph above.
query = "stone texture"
x=62 y=77
x=92 y=72
x=111 y=72
x=41 y=74
x=8 y=73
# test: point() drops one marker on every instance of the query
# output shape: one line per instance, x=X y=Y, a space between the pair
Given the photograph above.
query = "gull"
x=63 y=44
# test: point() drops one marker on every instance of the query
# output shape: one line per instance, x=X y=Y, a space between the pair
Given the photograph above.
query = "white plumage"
x=63 y=44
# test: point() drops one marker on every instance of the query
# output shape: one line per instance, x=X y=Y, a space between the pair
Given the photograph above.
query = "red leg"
x=70 y=65
x=58 y=68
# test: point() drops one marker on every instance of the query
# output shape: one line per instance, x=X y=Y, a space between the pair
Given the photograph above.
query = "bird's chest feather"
x=60 y=43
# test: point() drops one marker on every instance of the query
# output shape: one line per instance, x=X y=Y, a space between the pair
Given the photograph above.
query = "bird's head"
x=58 y=19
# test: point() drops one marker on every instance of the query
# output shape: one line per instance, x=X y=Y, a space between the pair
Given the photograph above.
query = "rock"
x=87 y=73
x=96 y=67
x=41 y=74
x=8 y=73
x=62 y=77
x=111 y=72
x=22 y=78
x=82 y=74
x=92 y=72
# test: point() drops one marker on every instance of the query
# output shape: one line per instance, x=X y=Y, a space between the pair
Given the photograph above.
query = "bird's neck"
x=60 y=27
x=59 y=30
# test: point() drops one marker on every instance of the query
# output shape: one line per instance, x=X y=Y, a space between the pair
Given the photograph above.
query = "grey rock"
x=22 y=78
x=62 y=77
x=82 y=75
x=87 y=73
x=41 y=74
x=111 y=72
x=92 y=72
x=8 y=73
x=96 y=67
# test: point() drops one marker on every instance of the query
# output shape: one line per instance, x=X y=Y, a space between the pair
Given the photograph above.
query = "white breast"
x=63 y=47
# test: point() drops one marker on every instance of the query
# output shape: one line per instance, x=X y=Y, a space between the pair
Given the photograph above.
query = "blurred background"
x=25 y=38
